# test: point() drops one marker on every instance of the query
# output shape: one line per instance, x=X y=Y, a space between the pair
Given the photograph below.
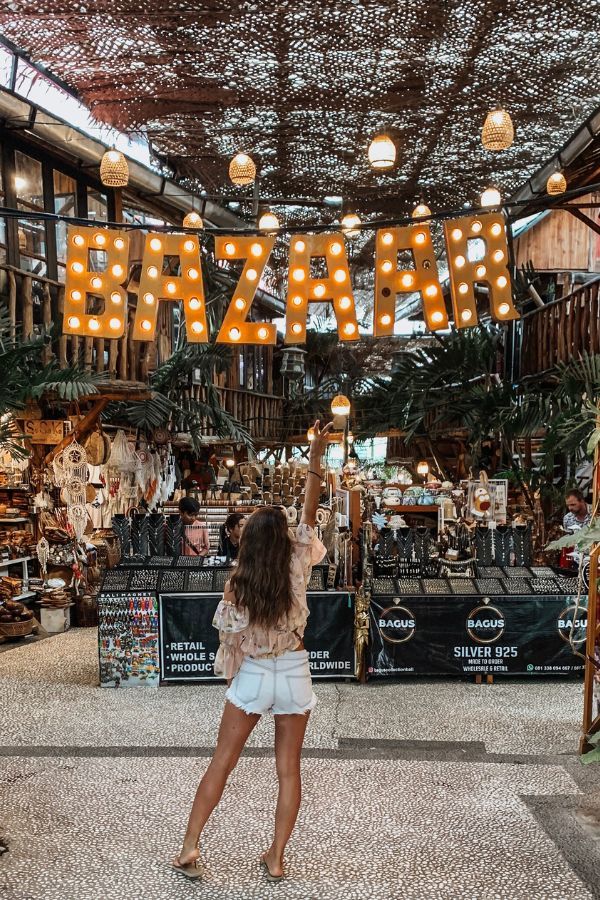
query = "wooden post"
x=27 y=295
x=62 y=341
x=47 y=319
x=81 y=429
x=12 y=303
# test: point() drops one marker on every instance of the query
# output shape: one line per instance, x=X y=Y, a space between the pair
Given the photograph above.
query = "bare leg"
x=289 y=736
x=234 y=731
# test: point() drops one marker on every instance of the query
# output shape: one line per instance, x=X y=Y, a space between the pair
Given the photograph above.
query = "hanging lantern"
x=310 y=435
x=340 y=406
x=242 y=169
x=497 y=132
x=423 y=469
x=114 y=171
x=268 y=222
x=420 y=210
x=556 y=184
x=193 y=220
x=351 y=224
x=491 y=197
x=382 y=152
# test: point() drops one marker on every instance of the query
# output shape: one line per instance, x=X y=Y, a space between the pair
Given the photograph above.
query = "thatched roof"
x=303 y=86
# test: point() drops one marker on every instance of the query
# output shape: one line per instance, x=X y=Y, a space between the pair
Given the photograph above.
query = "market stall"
x=156 y=623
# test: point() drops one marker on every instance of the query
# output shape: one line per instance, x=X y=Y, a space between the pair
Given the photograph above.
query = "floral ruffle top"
x=239 y=638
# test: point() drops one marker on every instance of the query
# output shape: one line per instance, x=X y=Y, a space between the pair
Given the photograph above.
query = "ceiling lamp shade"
x=268 y=222
x=420 y=210
x=242 y=169
x=193 y=220
x=491 y=197
x=382 y=152
x=423 y=468
x=556 y=184
x=340 y=405
x=114 y=171
x=351 y=224
x=497 y=132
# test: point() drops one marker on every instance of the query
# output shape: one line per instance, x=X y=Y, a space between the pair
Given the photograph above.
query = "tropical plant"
x=27 y=375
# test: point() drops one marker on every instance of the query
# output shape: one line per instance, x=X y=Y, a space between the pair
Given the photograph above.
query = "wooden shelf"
x=8 y=520
x=12 y=562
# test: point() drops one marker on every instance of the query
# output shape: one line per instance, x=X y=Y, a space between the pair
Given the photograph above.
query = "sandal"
x=193 y=870
x=268 y=873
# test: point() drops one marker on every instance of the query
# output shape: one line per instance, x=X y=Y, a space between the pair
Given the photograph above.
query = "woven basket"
x=497 y=132
x=242 y=169
x=556 y=184
x=114 y=171
x=16 y=629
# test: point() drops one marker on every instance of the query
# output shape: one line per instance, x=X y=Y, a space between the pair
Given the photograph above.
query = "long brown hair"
x=261 y=581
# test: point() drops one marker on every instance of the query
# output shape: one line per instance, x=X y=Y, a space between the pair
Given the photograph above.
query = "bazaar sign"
x=96 y=301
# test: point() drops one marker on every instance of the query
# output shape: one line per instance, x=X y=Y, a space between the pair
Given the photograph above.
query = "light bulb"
x=268 y=222
x=193 y=274
x=115 y=323
x=456 y=234
x=502 y=281
x=319 y=290
x=116 y=297
x=240 y=303
x=78 y=240
x=431 y=290
x=299 y=274
x=345 y=302
x=437 y=316
x=100 y=239
x=170 y=287
x=149 y=298
x=119 y=243
x=76 y=295
x=96 y=282
x=496 y=229
x=256 y=250
x=349 y=328
x=476 y=226
x=146 y=325
x=387 y=238
x=463 y=288
x=118 y=271
x=296 y=328
x=156 y=243
x=94 y=324
x=297 y=301
x=407 y=280
x=498 y=256
x=263 y=334
x=229 y=249
x=466 y=315
x=74 y=322
x=503 y=309
x=336 y=248
x=387 y=266
x=195 y=303
x=459 y=261
x=339 y=275
x=152 y=272
x=189 y=246
x=491 y=197
x=481 y=271
x=197 y=327
x=420 y=237
x=385 y=319
x=235 y=334
x=77 y=267
x=299 y=246
x=251 y=274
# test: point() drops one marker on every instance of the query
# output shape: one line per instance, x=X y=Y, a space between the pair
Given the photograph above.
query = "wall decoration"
x=255 y=250
x=389 y=280
x=332 y=286
x=104 y=287
x=156 y=283
x=489 y=268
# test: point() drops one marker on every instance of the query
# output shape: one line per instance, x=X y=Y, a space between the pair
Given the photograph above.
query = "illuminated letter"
x=235 y=328
x=490 y=269
x=334 y=287
x=389 y=280
x=154 y=286
x=81 y=282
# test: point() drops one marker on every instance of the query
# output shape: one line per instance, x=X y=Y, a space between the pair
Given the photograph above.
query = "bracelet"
x=312 y=472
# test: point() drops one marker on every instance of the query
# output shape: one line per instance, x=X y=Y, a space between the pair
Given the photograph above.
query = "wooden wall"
x=561 y=243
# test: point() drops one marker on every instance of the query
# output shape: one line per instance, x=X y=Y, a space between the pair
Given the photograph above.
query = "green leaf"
x=593 y=756
x=593 y=442
x=583 y=539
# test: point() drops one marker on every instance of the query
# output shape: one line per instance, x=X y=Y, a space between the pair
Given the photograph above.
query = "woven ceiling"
x=302 y=85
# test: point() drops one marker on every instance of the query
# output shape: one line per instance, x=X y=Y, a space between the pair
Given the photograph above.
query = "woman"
x=229 y=543
x=261 y=621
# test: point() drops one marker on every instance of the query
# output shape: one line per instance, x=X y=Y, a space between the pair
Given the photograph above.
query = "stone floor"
x=417 y=790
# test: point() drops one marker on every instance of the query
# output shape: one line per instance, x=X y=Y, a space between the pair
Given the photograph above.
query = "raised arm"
x=314 y=476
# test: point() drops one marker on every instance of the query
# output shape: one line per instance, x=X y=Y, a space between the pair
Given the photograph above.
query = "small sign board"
x=44 y=431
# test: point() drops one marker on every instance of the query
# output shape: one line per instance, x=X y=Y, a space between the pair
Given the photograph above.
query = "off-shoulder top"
x=239 y=638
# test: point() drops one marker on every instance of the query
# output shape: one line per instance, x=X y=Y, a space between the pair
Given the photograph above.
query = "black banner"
x=511 y=635
x=189 y=643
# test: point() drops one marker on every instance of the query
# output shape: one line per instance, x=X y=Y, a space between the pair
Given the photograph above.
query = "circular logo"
x=396 y=624
x=572 y=625
x=485 y=624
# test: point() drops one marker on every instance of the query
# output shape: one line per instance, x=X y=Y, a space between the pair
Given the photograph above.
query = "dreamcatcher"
x=43 y=555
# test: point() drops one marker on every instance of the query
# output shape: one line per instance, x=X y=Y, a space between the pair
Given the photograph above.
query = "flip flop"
x=193 y=871
x=267 y=871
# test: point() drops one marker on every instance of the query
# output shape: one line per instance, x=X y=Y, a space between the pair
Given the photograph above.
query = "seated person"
x=194 y=538
x=229 y=542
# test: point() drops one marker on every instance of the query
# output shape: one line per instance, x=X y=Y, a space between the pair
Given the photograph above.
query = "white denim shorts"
x=281 y=685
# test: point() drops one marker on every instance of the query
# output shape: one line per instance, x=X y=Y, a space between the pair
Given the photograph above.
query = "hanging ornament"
x=556 y=184
x=114 y=171
x=78 y=518
x=420 y=210
x=491 y=197
x=340 y=405
x=497 y=132
x=193 y=220
x=268 y=222
x=351 y=225
x=382 y=152
x=43 y=555
x=242 y=169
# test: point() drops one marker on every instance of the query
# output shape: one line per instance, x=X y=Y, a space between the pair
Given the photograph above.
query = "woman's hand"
x=319 y=442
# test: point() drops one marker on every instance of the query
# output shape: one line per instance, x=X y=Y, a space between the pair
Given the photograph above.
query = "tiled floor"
x=414 y=790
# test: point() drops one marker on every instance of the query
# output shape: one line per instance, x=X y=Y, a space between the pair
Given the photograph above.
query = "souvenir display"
x=463 y=586
x=199 y=580
x=435 y=586
x=489 y=585
x=144 y=579
x=383 y=586
x=544 y=586
x=408 y=586
x=172 y=580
